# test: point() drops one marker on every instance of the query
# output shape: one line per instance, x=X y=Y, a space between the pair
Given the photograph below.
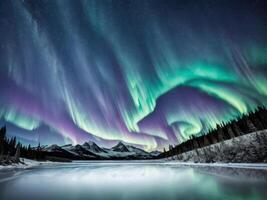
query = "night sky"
x=149 y=73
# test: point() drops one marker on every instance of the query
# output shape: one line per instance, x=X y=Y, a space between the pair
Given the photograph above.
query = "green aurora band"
x=149 y=73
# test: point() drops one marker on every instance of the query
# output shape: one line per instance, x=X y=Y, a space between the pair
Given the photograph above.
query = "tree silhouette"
x=244 y=124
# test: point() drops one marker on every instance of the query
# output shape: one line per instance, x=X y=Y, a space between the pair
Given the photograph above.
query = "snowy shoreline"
x=32 y=163
x=27 y=164
x=228 y=165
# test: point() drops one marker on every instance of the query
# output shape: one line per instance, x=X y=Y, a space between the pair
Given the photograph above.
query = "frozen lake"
x=134 y=180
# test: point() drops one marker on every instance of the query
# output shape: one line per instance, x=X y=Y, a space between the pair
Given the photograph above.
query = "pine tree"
x=230 y=131
x=219 y=133
x=236 y=129
x=17 y=154
x=251 y=127
x=2 y=139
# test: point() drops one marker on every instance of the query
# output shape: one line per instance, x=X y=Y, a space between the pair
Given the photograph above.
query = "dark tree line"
x=245 y=124
x=11 y=150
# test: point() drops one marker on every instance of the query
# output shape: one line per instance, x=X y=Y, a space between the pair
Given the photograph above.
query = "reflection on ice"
x=103 y=180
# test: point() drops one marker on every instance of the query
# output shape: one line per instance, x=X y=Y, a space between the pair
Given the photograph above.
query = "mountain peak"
x=121 y=143
x=93 y=147
x=53 y=148
x=120 y=147
x=89 y=143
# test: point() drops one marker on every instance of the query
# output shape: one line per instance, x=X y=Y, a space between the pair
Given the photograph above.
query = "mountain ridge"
x=90 y=150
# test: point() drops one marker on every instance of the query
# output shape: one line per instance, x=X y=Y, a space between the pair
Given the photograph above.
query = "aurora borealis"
x=150 y=72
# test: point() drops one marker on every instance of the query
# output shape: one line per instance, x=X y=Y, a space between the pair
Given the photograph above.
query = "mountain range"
x=91 y=151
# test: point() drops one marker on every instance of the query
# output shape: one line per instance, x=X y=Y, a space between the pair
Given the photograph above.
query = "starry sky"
x=148 y=73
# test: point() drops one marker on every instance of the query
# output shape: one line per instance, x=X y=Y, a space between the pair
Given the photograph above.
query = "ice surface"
x=135 y=180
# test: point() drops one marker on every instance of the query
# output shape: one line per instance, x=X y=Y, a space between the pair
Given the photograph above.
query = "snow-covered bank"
x=250 y=148
x=27 y=164
x=235 y=171
x=228 y=165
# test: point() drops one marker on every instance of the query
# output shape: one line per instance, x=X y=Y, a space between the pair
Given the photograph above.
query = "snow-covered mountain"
x=90 y=150
x=120 y=147
x=53 y=148
x=91 y=146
